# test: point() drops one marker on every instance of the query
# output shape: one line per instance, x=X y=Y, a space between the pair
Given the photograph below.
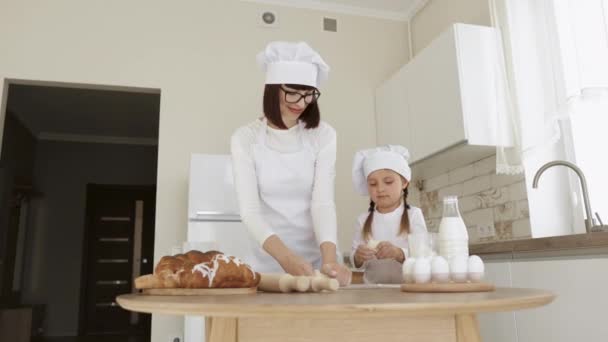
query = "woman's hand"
x=363 y=254
x=290 y=262
x=338 y=271
x=296 y=265
x=387 y=250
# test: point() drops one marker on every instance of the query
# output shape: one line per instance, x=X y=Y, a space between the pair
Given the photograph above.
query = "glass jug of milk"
x=453 y=235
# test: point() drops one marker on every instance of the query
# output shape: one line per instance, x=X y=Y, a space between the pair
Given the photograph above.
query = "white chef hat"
x=292 y=63
x=392 y=157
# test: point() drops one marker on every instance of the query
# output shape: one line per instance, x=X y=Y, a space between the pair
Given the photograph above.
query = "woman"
x=284 y=168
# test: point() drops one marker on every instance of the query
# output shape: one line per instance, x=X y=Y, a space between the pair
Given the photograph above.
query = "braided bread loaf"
x=195 y=269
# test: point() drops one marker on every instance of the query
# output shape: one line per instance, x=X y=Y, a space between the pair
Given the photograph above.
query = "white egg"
x=422 y=271
x=475 y=264
x=408 y=270
x=458 y=268
x=476 y=268
x=440 y=270
x=475 y=277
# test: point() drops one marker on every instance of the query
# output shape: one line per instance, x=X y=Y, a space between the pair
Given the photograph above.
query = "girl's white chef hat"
x=392 y=157
x=292 y=63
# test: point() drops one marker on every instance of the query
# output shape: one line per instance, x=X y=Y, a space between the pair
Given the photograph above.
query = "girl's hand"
x=387 y=250
x=338 y=271
x=363 y=254
x=296 y=265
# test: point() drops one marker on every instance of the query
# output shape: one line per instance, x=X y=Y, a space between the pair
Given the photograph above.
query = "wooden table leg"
x=467 y=328
x=222 y=329
x=207 y=328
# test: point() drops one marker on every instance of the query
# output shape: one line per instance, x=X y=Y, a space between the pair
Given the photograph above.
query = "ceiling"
x=68 y=113
x=387 y=9
x=381 y=5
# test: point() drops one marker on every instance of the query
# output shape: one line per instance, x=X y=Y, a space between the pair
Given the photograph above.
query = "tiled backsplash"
x=494 y=207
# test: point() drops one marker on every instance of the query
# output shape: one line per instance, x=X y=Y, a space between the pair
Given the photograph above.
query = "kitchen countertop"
x=356 y=314
x=555 y=246
x=580 y=244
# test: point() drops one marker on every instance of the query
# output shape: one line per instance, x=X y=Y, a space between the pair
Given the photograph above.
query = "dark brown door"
x=8 y=235
x=119 y=246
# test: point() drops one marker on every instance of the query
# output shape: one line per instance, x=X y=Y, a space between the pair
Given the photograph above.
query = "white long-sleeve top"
x=323 y=208
x=385 y=227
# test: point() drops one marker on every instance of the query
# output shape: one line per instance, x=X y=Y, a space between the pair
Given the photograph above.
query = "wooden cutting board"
x=200 y=292
x=448 y=287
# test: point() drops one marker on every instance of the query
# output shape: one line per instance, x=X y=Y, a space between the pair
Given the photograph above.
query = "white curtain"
x=556 y=74
x=532 y=75
x=584 y=47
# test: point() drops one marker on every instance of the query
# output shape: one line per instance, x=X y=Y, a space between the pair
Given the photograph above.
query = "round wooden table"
x=383 y=314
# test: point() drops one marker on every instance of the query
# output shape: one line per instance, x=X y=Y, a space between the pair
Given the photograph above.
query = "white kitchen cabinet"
x=433 y=95
x=498 y=326
x=391 y=101
x=578 y=312
x=448 y=96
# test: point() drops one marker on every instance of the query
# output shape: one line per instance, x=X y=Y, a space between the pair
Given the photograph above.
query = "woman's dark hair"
x=405 y=219
x=272 y=110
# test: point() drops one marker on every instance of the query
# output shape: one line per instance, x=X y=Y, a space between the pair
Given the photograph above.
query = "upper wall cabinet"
x=444 y=104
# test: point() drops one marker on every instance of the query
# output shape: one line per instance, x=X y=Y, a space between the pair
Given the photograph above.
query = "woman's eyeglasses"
x=295 y=97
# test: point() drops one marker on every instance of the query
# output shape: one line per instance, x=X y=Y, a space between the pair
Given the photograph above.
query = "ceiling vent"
x=330 y=24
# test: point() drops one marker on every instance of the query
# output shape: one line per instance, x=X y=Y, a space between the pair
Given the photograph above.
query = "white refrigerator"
x=213 y=219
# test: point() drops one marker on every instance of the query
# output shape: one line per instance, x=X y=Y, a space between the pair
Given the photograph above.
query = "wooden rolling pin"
x=322 y=282
x=271 y=282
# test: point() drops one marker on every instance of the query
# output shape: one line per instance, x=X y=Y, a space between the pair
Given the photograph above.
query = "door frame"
x=85 y=242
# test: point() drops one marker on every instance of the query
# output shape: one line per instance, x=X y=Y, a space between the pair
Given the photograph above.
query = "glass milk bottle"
x=453 y=236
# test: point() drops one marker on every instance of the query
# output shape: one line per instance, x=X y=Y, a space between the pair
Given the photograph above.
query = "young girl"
x=380 y=242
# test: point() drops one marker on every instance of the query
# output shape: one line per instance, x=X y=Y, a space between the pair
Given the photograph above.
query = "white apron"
x=285 y=182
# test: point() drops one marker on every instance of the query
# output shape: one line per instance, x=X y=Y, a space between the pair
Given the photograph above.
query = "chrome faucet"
x=589 y=221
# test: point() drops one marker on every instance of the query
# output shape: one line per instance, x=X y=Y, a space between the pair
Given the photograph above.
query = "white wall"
x=494 y=207
x=201 y=54
x=62 y=171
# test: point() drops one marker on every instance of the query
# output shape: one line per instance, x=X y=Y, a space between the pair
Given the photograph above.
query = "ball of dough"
x=373 y=244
